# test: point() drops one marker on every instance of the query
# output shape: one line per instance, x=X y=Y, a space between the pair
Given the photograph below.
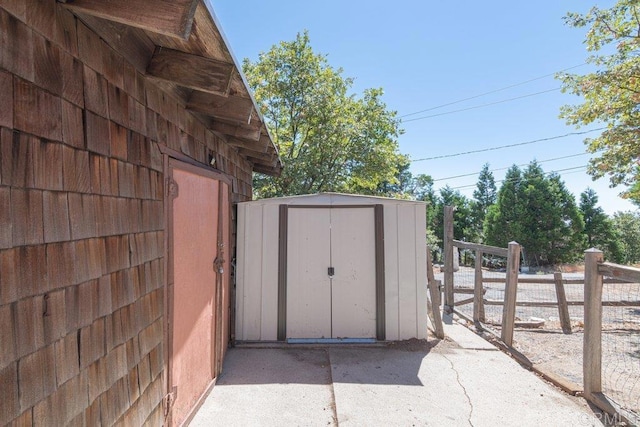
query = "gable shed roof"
x=179 y=44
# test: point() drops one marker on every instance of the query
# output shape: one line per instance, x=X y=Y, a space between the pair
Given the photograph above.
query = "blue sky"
x=428 y=54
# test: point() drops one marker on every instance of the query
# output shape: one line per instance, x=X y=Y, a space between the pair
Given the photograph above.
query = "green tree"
x=538 y=212
x=484 y=196
x=611 y=93
x=598 y=227
x=627 y=225
x=462 y=221
x=502 y=222
x=328 y=139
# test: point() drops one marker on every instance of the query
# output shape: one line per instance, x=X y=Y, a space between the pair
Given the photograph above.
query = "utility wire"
x=501 y=169
x=481 y=105
x=575 y=169
x=482 y=150
x=491 y=92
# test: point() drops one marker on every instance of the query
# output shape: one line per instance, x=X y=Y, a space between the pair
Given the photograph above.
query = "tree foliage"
x=484 y=196
x=537 y=211
x=598 y=227
x=612 y=93
x=328 y=139
x=627 y=225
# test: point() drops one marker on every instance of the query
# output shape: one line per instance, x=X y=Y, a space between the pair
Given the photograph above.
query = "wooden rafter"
x=252 y=145
x=233 y=108
x=192 y=71
x=244 y=132
x=169 y=17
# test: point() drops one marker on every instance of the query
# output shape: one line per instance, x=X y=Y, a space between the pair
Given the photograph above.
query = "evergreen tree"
x=538 y=212
x=485 y=195
x=462 y=221
x=627 y=225
x=598 y=227
x=502 y=222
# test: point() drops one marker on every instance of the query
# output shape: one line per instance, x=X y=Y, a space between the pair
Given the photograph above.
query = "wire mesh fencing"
x=621 y=344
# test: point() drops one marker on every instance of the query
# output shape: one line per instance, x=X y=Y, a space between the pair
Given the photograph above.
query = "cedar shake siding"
x=85 y=133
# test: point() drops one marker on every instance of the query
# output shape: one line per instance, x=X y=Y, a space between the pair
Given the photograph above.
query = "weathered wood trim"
x=563 y=307
x=592 y=345
x=256 y=146
x=192 y=71
x=245 y=132
x=197 y=167
x=478 y=290
x=267 y=170
x=491 y=250
x=433 y=309
x=172 y=18
x=621 y=272
x=232 y=108
x=510 y=293
x=448 y=259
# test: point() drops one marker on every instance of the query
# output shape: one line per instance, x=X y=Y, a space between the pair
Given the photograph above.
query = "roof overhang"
x=180 y=45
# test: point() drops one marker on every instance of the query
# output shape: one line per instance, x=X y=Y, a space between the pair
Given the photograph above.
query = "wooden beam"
x=244 y=132
x=192 y=71
x=232 y=108
x=256 y=155
x=267 y=170
x=169 y=17
x=491 y=250
x=255 y=146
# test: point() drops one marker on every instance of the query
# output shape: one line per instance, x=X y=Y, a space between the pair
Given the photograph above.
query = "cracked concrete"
x=458 y=381
x=453 y=368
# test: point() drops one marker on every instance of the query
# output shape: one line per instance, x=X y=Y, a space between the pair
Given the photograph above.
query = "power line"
x=501 y=169
x=575 y=169
x=482 y=150
x=490 y=92
x=481 y=105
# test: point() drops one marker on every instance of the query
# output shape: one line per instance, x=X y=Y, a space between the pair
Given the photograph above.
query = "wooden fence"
x=595 y=270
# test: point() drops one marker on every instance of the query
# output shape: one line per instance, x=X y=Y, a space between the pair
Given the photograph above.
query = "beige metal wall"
x=257 y=265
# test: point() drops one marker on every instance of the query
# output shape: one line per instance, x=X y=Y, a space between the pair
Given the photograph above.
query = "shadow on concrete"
x=396 y=363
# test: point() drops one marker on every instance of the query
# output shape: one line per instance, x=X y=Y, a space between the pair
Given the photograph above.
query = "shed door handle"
x=331 y=271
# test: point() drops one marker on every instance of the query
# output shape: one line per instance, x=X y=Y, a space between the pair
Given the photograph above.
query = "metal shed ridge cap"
x=334 y=195
x=181 y=47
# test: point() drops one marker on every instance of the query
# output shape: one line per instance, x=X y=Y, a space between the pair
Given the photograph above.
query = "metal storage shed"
x=331 y=267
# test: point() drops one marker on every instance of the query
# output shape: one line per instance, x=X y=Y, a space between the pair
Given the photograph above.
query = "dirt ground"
x=552 y=350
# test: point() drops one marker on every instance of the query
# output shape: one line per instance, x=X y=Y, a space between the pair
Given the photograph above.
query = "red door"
x=198 y=285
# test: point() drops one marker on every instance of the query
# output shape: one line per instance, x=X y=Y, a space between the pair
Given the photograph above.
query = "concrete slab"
x=412 y=383
x=271 y=387
x=390 y=387
x=463 y=336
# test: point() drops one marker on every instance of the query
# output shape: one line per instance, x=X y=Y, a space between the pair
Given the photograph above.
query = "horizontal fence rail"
x=583 y=334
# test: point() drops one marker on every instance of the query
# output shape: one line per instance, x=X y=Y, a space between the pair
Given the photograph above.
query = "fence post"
x=478 y=294
x=434 y=294
x=563 y=307
x=510 y=293
x=592 y=345
x=448 y=259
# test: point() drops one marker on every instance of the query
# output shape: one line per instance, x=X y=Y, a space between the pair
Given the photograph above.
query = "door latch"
x=331 y=271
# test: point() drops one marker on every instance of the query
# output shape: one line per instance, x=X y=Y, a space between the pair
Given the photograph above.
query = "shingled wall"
x=81 y=222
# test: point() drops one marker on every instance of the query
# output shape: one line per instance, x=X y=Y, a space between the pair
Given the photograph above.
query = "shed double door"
x=331 y=274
